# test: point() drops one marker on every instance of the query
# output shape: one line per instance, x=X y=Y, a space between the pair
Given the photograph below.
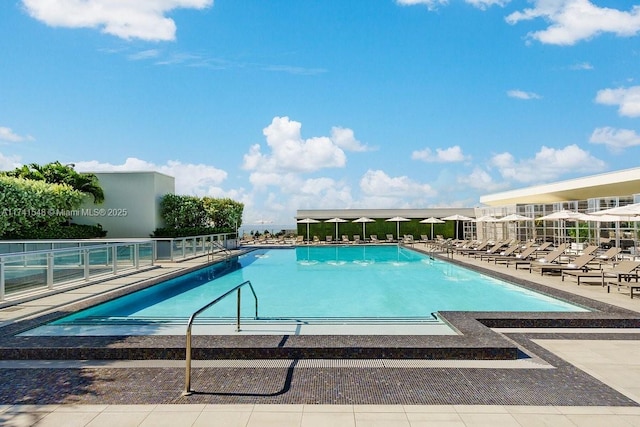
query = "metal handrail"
x=218 y=245
x=187 y=384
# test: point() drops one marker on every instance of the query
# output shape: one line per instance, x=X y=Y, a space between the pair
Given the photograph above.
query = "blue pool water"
x=325 y=282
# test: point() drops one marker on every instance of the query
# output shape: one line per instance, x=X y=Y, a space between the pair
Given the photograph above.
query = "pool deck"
x=575 y=369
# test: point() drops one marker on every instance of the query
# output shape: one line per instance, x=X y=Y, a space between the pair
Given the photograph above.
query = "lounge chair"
x=390 y=238
x=374 y=238
x=345 y=239
x=328 y=239
x=408 y=239
x=551 y=257
x=610 y=255
x=356 y=238
x=578 y=264
x=489 y=256
x=491 y=251
x=423 y=238
x=633 y=286
x=316 y=239
x=622 y=271
x=523 y=257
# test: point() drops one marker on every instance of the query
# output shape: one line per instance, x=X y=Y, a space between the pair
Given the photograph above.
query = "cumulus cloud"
x=6 y=134
x=198 y=179
x=144 y=20
x=548 y=164
x=627 y=100
x=442 y=155
x=615 y=139
x=377 y=182
x=520 y=94
x=8 y=163
x=480 y=179
x=345 y=139
x=574 y=20
x=289 y=152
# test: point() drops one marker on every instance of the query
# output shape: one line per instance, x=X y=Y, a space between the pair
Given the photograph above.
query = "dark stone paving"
x=564 y=385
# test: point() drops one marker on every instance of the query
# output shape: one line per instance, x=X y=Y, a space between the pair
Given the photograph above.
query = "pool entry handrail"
x=215 y=244
x=187 y=385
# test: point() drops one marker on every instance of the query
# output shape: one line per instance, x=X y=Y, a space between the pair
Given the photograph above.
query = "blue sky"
x=324 y=103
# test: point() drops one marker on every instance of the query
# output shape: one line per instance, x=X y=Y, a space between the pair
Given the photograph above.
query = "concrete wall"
x=132 y=203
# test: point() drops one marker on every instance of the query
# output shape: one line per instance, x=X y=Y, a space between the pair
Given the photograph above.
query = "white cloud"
x=446 y=155
x=581 y=66
x=291 y=153
x=145 y=54
x=431 y=4
x=484 y=4
x=6 y=134
x=520 y=94
x=615 y=139
x=191 y=179
x=8 y=163
x=574 y=20
x=548 y=164
x=378 y=183
x=481 y=180
x=144 y=19
x=628 y=100
x=345 y=139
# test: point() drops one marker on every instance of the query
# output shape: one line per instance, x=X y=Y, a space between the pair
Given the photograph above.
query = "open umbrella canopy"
x=560 y=215
x=364 y=220
x=398 y=220
x=486 y=218
x=432 y=220
x=628 y=210
x=457 y=218
x=308 y=221
x=337 y=221
x=515 y=218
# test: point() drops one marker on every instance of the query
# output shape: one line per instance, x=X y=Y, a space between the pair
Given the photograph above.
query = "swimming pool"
x=326 y=282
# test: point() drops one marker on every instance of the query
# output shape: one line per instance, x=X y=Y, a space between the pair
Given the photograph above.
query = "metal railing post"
x=87 y=272
x=136 y=255
x=50 y=270
x=187 y=383
x=1 y=279
x=238 y=310
x=114 y=256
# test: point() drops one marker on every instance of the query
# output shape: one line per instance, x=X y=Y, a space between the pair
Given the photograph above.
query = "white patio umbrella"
x=564 y=215
x=337 y=221
x=432 y=220
x=488 y=219
x=457 y=218
x=308 y=221
x=516 y=218
x=397 y=220
x=628 y=210
x=364 y=221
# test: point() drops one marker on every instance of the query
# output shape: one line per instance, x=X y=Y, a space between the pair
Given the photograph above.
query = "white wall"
x=132 y=203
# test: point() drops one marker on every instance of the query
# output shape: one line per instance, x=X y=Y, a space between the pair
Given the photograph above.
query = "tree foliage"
x=27 y=205
x=191 y=215
x=57 y=173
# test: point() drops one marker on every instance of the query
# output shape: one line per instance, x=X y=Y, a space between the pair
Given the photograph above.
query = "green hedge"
x=61 y=231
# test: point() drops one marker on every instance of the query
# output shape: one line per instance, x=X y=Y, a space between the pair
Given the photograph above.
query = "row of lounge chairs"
x=589 y=266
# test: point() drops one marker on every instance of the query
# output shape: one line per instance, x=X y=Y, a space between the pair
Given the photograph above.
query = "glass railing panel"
x=145 y=254
x=125 y=256
x=100 y=261
x=67 y=266
x=20 y=276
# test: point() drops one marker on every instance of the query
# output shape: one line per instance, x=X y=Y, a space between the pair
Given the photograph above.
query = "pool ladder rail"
x=187 y=385
x=220 y=248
